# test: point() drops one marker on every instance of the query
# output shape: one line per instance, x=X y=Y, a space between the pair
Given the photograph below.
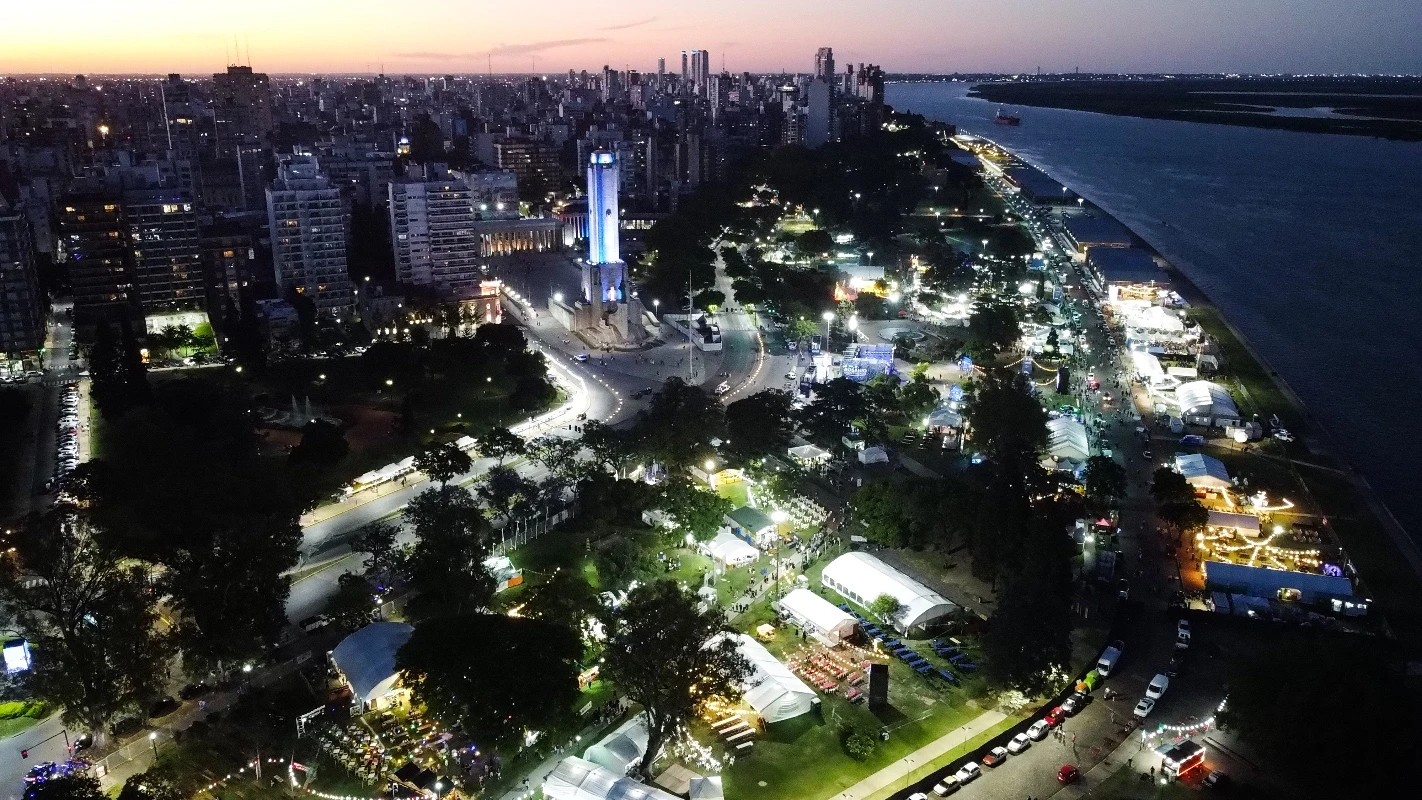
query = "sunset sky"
x=431 y=36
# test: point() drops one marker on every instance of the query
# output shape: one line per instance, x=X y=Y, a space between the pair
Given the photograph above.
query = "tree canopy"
x=451 y=544
x=493 y=675
x=668 y=657
x=760 y=424
x=1007 y=422
x=443 y=463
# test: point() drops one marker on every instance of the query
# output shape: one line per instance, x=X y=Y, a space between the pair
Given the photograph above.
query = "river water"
x=1311 y=244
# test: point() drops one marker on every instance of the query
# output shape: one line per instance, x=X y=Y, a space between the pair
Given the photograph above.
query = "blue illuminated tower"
x=604 y=272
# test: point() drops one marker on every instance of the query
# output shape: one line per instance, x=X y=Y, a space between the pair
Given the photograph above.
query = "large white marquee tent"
x=862 y=578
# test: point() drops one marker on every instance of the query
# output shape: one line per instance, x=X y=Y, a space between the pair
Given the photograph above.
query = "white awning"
x=1202 y=471
x=1066 y=438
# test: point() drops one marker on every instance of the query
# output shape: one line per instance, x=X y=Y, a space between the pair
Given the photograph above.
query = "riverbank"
x=1354 y=106
x=1387 y=560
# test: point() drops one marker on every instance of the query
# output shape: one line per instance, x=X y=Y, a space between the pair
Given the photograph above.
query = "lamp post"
x=829 y=317
x=153 y=740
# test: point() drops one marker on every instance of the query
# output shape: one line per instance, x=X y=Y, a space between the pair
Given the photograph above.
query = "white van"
x=1157 y=686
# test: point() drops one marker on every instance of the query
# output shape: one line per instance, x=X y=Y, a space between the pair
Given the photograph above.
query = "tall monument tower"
x=604 y=272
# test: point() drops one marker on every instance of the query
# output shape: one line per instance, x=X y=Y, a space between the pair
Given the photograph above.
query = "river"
x=1310 y=244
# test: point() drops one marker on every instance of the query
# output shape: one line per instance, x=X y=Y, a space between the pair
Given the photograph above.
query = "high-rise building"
x=824 y=64
x=21 y=312
x=93 y=243
x=180 y=118
x=534 y=163
x=307 y=219
x=817 y=113
x=685 y=75
x=703 y=78
x=603 y=276
x=167 y=261
x=695 y=82
x=241 y=107
x=432 y=231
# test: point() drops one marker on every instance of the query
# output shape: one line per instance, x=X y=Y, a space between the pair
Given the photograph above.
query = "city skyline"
x=159 y=36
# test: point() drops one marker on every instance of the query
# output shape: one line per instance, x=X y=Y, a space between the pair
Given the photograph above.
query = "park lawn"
x=738 y=493
x=10 y=727
x=920 y=711
x=1257 y=390
x=796 y=225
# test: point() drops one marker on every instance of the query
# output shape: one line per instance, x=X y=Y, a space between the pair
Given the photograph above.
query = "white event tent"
x=817 y=614
x=1066 y=439
x=1206 y=403
x=1203 y=472
x=578 y=779
x=771 y=688
x=730 y=549
x=862 y=578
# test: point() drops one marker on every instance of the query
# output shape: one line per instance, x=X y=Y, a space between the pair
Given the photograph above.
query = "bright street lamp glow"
x=710 y=465
x=828 y=315
x=557 y=297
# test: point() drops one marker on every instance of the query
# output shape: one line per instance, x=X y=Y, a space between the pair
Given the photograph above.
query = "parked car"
x=1068 y=773
x=581 y=357
x=995 y=757
x=1182 y=627
x=1176 y=662
x=918 y=796
x=1074 y=704
x=1157 y=686
x=946 y=786
x=1216 y=779
x=968 y=772
x=1019 y=743
x=1038 y=730
x=1144 y=707
x=1055 y=716
x=722 y=388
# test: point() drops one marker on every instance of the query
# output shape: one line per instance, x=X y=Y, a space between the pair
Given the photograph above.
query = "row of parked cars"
x=1018 y=744
x=68 y=433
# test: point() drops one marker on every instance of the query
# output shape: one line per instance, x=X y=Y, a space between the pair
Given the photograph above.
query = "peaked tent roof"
x=751 y=519
x=771 y=688
x=1202 y=470
x=1066 y=438
x=578 y=779
x=1201 y=397
x=870 y=577
x=367 y=658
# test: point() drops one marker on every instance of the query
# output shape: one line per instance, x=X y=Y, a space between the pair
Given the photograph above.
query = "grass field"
x=1255 y=387
x=10 y=727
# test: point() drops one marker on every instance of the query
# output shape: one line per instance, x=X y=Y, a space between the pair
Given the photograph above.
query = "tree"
x=802 y=329
x=994 y=324
x=710 y=299
x=451 y=544
x=322 y=444
x=815 y=243
x=1105 y=481
x=91 y=618
x=1029 y=633
x=887 y=608
x=501 y=444
x=669 y=657
x=1006 y=421
x=1184 y=516
x=838 y=405
x=353 y=605
x=382 y=555
x=760 y=424
x=443 y=462
x=117 y=378
x=559 y=456
x=676 y=431
x=155 y=784
x=74 y=786
x=564 y=599
x=1169 y=486
x=491 y=675
x=504 y=491
x=697 y=511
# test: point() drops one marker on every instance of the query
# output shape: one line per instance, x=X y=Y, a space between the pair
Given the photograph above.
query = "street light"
x=153 y=740
x=557 y=297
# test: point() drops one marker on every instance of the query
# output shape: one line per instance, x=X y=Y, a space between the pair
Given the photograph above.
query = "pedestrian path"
x=894 y=773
